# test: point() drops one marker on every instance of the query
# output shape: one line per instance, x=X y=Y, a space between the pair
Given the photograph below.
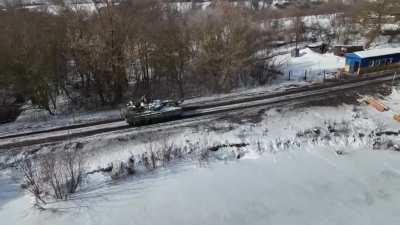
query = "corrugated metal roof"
x=377 y=52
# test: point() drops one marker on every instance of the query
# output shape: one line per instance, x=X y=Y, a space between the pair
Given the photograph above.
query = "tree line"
x=135 y=48
x=115 y=52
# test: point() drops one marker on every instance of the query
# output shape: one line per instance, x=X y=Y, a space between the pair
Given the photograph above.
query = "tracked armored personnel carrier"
x=153 y=112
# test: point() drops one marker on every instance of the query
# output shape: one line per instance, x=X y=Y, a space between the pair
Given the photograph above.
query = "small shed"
x=372 y=60
x=341 y=50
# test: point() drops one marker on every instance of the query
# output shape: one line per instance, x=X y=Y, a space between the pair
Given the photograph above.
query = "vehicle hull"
x=150 y=117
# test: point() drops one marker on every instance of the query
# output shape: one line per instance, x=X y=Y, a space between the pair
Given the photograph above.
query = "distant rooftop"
x=377 y=52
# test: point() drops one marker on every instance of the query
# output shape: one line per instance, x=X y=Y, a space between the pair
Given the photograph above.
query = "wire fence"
x=309 y=75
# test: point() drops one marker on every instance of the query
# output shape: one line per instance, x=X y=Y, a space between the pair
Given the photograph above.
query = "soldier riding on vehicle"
x=146 y=112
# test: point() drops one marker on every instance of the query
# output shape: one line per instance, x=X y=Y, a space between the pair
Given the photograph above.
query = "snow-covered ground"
x=272 y=130
x=309 y=65
x=314 y=165
x=36 y=123
x=314 y=186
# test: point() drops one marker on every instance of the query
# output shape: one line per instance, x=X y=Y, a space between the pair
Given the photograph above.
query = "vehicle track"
x=260 y=99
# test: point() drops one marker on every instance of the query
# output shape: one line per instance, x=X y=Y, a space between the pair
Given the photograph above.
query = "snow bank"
x=33 y=115
x=310 y=64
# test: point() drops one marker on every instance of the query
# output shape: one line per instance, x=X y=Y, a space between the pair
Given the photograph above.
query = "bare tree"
x=374 y=14
x=57 y=174
x=32 y=179
x=126 y=50
x=225 y=46
x=31 y=53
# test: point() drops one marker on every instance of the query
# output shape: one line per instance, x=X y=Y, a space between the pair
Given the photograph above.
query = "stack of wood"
x=376 y=104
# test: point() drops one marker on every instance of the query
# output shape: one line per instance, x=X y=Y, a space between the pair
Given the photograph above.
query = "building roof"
x=377 y=52
x=348 y=46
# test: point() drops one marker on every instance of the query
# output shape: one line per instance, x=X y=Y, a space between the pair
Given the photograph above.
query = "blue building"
x=372 y=60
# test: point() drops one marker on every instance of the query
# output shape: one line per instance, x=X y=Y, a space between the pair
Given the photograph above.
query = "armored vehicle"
x=144 y=113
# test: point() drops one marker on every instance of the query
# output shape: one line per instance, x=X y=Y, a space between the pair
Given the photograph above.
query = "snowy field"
x=314 y=165
x=314 y=186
